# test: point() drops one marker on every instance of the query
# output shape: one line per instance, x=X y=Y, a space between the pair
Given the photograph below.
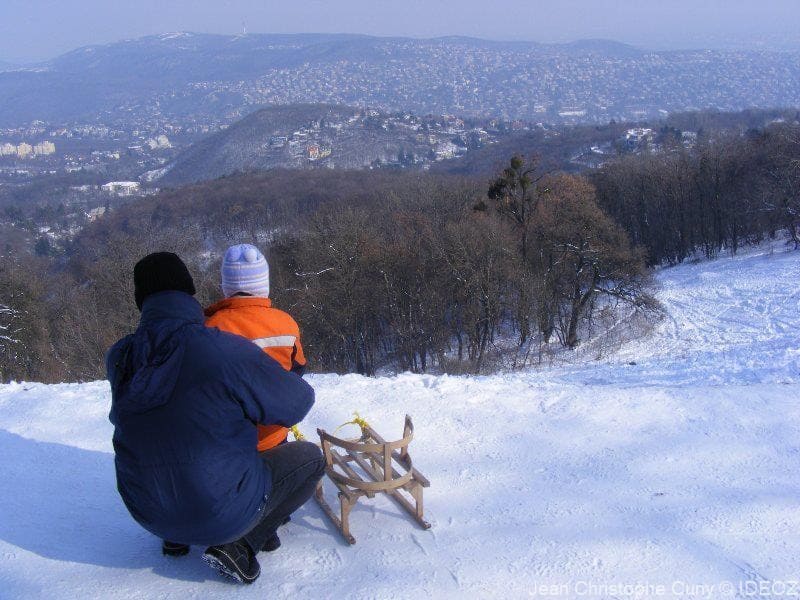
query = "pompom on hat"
x=245 y=270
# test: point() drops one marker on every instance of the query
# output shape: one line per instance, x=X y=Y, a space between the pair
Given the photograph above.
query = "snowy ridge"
x=681 y=469
x=732 y=320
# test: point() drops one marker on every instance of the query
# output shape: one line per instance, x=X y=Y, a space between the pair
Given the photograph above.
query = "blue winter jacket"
x=185 y=400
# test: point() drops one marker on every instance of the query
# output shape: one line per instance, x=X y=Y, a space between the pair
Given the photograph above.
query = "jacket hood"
x=238 y=302
x=142 y=367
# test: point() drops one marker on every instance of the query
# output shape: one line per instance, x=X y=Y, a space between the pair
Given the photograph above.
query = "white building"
x=160 y=142
x=572 y=112
x=445 y=150
x=24 y=150
x=44 y=148
x=8 y=150
x=121 y=188
x=638 y=135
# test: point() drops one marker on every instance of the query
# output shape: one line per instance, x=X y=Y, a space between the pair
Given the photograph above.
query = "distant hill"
x=100 y=78
x=601 y=47
x=560 y=149
x=245 y=145
x=308 y=136
x=296 y=136
x=186 y=78
x=256 y=144
x=176 y=57
x=554 y=149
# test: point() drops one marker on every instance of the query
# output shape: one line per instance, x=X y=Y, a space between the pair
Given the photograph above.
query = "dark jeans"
x=296 y=468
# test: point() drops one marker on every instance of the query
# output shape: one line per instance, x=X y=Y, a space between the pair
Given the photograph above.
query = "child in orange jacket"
x=247 y=311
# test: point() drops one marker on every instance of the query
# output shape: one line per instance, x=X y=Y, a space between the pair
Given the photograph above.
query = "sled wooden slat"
x=349 y=444
x=369 y=486
x=342 y=461
x=376 y=458
x=373 y=472
x=404 y=461
x=326 y=508
x=412 y=510
x=355 y=481
x=381 y=460
x=340 y=481
x=376 y=475
x=415 y=512
x=366 y=466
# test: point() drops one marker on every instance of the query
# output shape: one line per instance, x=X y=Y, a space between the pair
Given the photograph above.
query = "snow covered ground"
x=676 y=477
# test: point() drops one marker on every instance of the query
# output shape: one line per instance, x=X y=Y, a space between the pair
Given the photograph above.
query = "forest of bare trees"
x=392 y=271
x=729 y=191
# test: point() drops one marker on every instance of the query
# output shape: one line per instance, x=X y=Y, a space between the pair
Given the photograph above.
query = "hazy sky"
x=39 y=29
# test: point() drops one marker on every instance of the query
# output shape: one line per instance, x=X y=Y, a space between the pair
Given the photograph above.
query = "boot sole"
x=224 y=570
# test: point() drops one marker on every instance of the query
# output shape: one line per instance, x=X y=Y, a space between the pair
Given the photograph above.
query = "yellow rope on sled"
x=357 y=420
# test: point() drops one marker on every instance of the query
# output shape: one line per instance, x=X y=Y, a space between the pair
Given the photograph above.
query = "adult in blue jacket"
x=185 y=403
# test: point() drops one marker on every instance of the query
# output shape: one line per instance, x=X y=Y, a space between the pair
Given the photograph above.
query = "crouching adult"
x=185 y=403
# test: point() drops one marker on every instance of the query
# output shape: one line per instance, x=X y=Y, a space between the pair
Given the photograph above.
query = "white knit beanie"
x=244 y=269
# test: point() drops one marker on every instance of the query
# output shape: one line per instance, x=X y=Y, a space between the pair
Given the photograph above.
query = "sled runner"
x=367 y=466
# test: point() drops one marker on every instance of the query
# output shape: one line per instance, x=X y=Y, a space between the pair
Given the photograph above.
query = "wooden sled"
x=368 y=466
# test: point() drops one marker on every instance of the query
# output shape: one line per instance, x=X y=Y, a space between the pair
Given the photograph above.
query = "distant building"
x=160 y=142
x=45 y=148
x=96 y=213
x=572 y=113
x=24 y=150
x=637 y=136
x=445 y=150
x=278 y=141
x=313 y=151
x=121 y=188
x=8 y=150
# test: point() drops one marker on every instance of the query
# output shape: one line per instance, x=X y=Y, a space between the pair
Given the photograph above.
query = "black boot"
x=272 y=543
x=235 y=560
x=174 y=549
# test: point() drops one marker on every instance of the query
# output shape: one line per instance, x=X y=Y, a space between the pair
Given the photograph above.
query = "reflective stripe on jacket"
x=272 y=330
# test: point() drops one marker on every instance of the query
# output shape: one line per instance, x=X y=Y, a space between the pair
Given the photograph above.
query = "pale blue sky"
x=40 y=29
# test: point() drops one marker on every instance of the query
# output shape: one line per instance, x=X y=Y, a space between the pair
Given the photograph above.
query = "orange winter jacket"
x=272 y=330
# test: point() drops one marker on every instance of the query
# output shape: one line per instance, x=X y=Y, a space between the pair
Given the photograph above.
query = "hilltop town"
x=199 y=85
x=547 y=84
x=205 y=81
x=144 y=152
x=324 y=136
x=39 y=149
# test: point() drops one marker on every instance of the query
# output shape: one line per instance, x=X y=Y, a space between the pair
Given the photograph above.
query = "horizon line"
x=17 y=63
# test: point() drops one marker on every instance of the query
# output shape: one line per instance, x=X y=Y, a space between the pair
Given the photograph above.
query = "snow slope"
x=606 y=481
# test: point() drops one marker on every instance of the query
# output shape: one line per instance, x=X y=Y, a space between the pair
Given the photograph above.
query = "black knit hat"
x=160 y=272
